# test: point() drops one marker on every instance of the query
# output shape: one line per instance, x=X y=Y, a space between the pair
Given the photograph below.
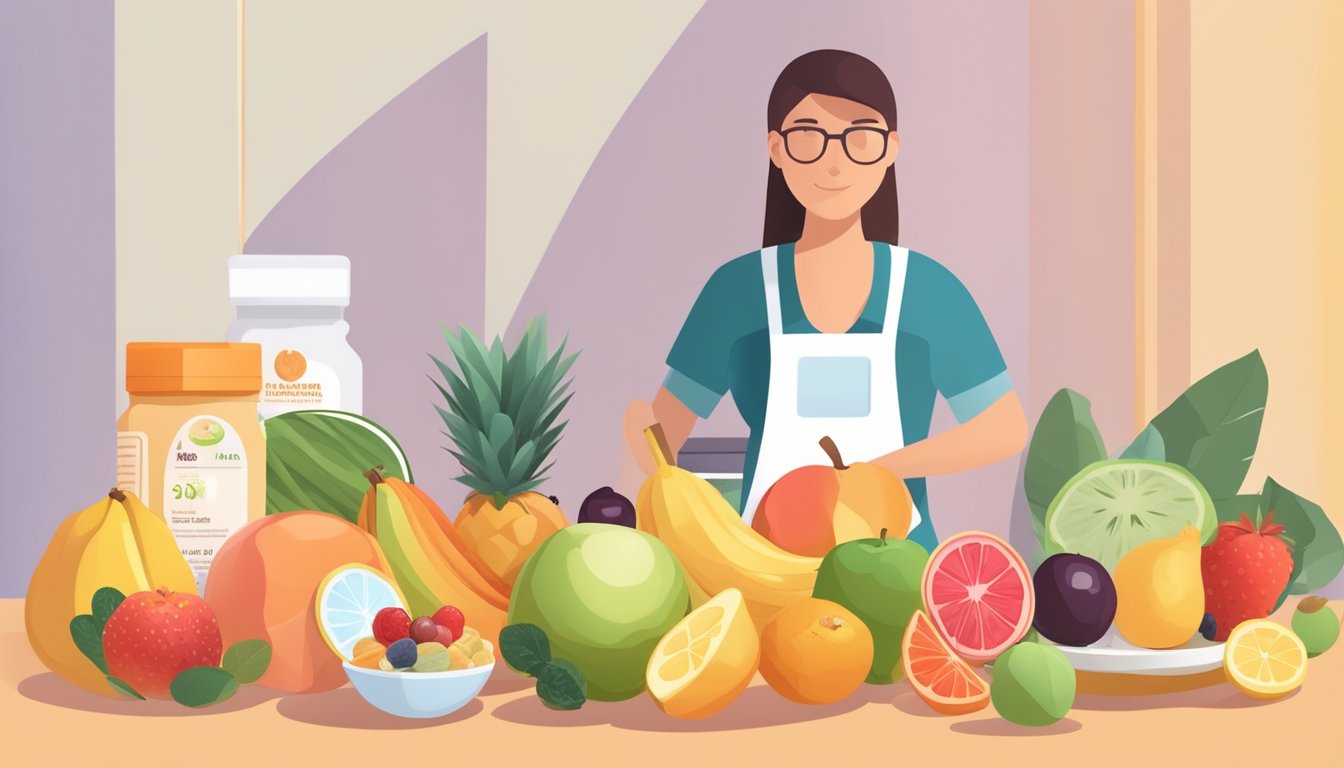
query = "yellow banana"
x=160 y=552
x=715 y=548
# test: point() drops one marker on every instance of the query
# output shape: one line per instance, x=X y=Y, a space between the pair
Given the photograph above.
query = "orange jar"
x=190 y=445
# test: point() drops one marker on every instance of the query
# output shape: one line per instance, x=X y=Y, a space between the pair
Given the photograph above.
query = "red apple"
x=153 y=636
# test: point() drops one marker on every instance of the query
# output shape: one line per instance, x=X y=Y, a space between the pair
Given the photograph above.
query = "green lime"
x=1113 y=506
x=1034 y=684
x=1316 y=625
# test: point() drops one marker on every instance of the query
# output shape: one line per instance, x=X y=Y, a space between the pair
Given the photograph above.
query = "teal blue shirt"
x=943 y=346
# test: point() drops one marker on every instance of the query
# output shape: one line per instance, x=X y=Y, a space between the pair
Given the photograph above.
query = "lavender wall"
x=57 y=256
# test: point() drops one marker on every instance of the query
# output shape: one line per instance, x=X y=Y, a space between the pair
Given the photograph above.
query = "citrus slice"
x=945 y=682
x=1111 y=507
x=978 y=593
x=1264 y=659
x=347 y=600
x=706 y=660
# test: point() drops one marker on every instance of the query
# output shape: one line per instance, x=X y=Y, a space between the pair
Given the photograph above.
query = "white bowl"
x=418 y=694
x=1112 y=655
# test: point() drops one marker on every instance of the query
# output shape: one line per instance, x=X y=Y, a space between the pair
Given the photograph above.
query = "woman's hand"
x=676 y=419
x=995 y=434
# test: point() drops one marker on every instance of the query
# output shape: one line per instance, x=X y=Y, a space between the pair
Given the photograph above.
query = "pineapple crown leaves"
x=501 y=408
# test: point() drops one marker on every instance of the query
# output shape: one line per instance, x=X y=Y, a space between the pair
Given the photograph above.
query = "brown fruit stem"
x=116 y=495
x=661 y=437
x=375 y=475
x=1312 y=604
x=833 y=451
x=882 y=537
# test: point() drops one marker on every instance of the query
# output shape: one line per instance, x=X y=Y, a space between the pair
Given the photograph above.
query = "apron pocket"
x=834 y=387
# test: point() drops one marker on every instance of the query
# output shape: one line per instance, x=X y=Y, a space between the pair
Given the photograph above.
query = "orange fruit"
x=816 y=652
x=945 y=682
x=705 y=662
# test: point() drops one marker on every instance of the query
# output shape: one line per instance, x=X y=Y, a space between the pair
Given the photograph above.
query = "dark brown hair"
x=848 y=76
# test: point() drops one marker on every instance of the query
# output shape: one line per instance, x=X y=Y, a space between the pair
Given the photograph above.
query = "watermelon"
x=316 y=460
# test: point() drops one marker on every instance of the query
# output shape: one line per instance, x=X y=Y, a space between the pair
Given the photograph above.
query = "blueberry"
x=1208 y=627
x=401 y=654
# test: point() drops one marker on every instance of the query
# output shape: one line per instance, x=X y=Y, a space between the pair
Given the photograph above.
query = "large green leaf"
x=1148 y=446
x=1066 y=440
x=1213 y=428
x=1318 y=553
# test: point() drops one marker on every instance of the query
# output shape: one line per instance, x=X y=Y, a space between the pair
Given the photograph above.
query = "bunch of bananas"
x=715 y=548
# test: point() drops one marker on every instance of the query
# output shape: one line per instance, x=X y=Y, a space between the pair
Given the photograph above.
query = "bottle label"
x=132 y=469
x=294 y=382
x=205 y=489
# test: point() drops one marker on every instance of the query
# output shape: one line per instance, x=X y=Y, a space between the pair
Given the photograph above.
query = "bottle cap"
x=202 y=368
x=289 y=280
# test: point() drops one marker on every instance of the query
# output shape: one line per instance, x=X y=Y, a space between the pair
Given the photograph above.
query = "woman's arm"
x=996 y=433
x=676 y=419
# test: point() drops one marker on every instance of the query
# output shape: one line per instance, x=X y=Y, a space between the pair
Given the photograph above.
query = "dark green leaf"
x=105 y=601
x=247 y=660
x=1148 y=446
x=1318 y=553
x=87 y=632
x=1066 y=440
x=1214 y=427
x=560 y=685
x=202 y=686
x=1232 y=508
x=525 y=647
x=120 y=686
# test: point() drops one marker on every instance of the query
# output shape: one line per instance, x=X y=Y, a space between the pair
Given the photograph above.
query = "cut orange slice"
x=704 y=662
x=1265 y=659
x=945 y=682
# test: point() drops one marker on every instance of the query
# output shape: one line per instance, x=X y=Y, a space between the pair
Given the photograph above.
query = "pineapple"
x=501 y=416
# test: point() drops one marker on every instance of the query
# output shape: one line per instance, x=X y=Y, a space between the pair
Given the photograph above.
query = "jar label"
x=205 y=489
x=293 y=382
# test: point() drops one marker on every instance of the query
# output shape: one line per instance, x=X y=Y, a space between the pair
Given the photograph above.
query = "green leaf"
x=247 y=660
x=87 y=632
x=1148 y=446
x=122 y=687
x=105 y=601
x=525 y=647
x=1066 y=440
x=203 y=686
x=560 y=685
x=1232 y=508
x=1318 y=553
x=1213 y=428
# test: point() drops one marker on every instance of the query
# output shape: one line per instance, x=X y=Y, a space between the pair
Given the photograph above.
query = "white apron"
x=837 y=384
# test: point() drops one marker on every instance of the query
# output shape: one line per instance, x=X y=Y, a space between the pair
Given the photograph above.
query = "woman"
x=831 y=329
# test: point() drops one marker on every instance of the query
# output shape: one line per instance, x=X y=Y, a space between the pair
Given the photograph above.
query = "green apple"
x=605 y=595
x=879 y=580
x=1316 y=625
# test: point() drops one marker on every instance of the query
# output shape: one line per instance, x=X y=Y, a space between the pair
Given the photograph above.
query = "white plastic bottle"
x=294 y=307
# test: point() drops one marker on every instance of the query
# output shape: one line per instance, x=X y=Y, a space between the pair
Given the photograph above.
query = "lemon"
x=705 y=660
x=347 y=600
x=1264 y=659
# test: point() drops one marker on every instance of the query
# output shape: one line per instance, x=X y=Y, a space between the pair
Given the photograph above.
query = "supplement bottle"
x=190 y=445
x=294 y=307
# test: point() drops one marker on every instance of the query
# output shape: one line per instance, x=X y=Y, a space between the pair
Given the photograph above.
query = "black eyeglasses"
x=863 y=146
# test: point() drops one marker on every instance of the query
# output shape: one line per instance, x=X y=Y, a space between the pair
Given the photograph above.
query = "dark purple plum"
x=607 y=506
x=1075 y=600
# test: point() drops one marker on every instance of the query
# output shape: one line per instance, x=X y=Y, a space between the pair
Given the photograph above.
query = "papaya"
x=115 y=542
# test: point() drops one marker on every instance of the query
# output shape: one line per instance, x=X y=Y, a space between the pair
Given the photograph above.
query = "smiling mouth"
x=834 y=189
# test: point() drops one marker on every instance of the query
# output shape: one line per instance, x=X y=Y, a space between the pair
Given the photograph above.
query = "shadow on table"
x=49 y=688
x=1223 y=696
x=345 y=708
x=506 y=682
x=757 y=707
x=999 y=727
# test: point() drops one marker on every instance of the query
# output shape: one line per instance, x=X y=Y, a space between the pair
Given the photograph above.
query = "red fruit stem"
x=833 y=451
x=116 y=495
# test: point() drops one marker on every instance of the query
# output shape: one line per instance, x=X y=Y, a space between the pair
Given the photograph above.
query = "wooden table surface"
x=48 y=722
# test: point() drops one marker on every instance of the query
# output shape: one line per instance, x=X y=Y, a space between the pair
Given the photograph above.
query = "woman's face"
x=836 y=184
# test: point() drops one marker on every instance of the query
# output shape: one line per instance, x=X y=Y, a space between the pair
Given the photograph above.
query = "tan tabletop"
x=48 y=722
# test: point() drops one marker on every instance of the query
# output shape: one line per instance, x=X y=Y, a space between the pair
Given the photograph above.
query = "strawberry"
x=1245 y=569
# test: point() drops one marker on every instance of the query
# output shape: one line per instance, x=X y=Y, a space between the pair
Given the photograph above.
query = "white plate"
x=1112 y=655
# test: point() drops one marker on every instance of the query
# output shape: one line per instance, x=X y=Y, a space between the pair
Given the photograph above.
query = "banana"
x=713 y=545
x=162 y=556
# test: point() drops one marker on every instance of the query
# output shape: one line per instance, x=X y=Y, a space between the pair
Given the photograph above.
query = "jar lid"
x=289 y=280
x=167 y=368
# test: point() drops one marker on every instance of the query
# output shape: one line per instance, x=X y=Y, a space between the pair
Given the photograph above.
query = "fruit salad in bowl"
x=428 y=667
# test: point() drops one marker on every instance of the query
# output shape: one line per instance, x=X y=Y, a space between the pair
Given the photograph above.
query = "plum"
x=607 y=506
x=1075 y=600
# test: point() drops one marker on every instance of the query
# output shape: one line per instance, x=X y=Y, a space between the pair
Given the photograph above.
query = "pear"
x=1160 y=591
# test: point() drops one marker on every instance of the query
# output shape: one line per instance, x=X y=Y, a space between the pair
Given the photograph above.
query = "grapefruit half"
x=945 y=682
x=978 y=593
